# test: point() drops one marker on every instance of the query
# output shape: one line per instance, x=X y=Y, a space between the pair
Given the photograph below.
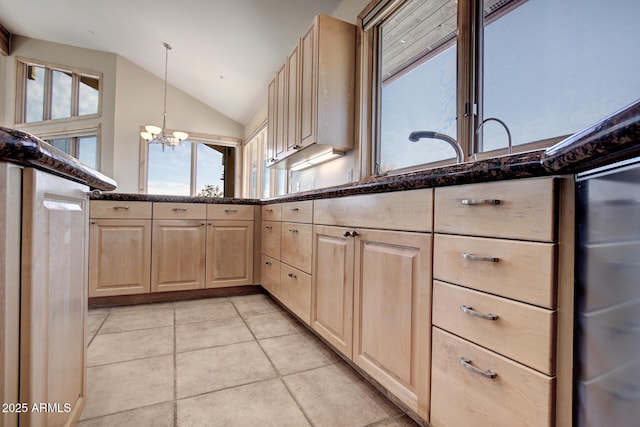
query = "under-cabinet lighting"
x=320 y=158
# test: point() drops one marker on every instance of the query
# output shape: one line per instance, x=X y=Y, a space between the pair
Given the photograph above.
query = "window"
x=55 y=93
x=82 y=144
x=546 y=69
x=196 y=167
x=259 y=180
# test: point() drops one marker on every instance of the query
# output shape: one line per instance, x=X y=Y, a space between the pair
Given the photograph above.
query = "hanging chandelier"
x=155 y=135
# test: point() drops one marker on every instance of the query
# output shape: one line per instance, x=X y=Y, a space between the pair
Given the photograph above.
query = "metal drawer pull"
x=473 y=202
x=474 y=257
x=347 y=234
x=293 y=230
x=268 y=227
x=467 y=364
x=293 y=276
x=267 y=263
x=231 y=210
x=269 y=210
x=120 y=207
x=294 y=209
x=470 y=311
x=180 y=209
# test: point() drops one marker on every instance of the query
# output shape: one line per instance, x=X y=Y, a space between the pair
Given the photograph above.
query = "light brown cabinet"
x=178 y=255
x=311 y=98
x=119 y=248
x=229 y=259
x=55 y=215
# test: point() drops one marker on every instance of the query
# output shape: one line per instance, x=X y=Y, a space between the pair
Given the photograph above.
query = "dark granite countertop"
x=128 y=197
x=25 y=149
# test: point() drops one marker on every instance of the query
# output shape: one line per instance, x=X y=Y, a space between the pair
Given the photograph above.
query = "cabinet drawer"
x=271 y=238
x=611 y=338
x=460 y=396
x=270 y=270
x=402 y=210
x=179 y=211
x=272 y=212
x=119 y=210
x=296 y=245
x=611 y=399
x=510 y=209
x=298 y=211
x=233 y=212
x=295 y=287
x=519 y=331
x=524 y=271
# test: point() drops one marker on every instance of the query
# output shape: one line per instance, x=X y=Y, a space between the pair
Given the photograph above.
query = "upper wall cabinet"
x=311 y=99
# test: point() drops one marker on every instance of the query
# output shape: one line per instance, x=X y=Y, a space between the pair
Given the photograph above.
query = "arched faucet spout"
x=419 y=134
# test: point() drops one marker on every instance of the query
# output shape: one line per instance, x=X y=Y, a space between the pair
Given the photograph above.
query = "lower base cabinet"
x=473 y=386
x=229 y=256
x=295 y=291
x=178 y=255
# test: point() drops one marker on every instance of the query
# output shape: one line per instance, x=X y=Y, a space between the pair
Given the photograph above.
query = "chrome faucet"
x=503 y=125
x=419 y=134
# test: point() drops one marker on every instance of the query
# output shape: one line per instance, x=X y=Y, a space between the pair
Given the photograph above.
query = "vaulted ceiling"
x=224 y=51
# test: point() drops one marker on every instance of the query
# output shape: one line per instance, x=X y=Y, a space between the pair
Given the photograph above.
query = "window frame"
x=74 y=135
x=194 y=138
x=470 y=27
x=22 y=65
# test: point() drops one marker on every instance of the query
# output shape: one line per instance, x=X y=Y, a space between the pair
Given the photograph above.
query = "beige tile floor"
x=239 y=361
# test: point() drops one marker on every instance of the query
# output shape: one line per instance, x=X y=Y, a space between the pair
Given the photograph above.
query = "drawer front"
x=609 y=275
x=232 y=212
x=298 y=212
x=270 y=270
x=611 y=399
x=524 y=271
x=272 y=212
x=119 y=210
x=611 y=338
x=295 y=288
x=296 y=245
x=271 y=238
x=460 y=396
x=402 y=210
x=518 y=331
x=524 y=209
x=179 y=211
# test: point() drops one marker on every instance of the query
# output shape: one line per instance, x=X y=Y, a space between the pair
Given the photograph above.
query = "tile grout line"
x=93 y=336
x=175 y=371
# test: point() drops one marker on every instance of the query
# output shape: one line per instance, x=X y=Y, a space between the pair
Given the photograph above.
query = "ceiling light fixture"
x=155 y=135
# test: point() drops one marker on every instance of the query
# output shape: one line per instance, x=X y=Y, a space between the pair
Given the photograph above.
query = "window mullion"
x=75 y=99
x=194 y=163
x=48 y=93
x=466 y=74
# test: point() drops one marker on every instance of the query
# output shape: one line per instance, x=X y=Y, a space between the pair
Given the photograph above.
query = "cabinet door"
x=295 y=291
x=308 y=70
x=281 y=113
x=292 y=134
x=332 y=286
x=229 y=253
x=178 y=255
x=271 y=119
x=119 y=257
x=392 y=313
x=53 y=298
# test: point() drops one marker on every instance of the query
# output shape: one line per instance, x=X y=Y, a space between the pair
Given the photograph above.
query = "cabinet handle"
x=121 y=207
x=269 y=210
x=93 y=222
x=473 y=202
x=294 y=209
x=296 y=147
x=293 y=276
x=474 y=257
x=470 y=311
x=293 y=230
x=467 y=364
x=180 y=209
x=355 y=233
x=347 y=234
x=231 y=210
x=267 y=263
x=351 y=234
x=268 y=227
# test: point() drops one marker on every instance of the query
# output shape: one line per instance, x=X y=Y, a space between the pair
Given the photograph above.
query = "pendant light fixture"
x=155 y=135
